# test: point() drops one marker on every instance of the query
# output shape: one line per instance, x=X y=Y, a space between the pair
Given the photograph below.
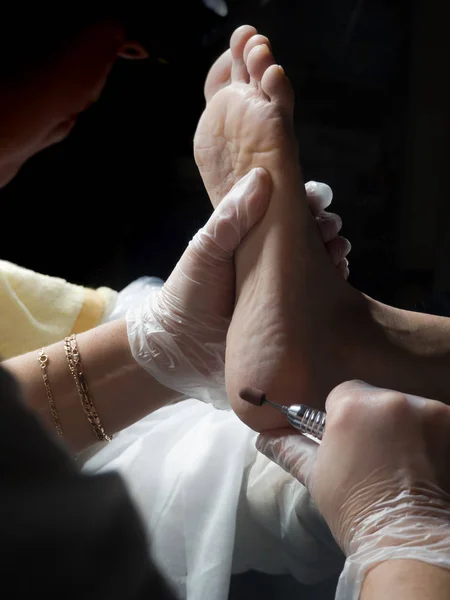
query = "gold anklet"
x=43 y=361
x=76 y=368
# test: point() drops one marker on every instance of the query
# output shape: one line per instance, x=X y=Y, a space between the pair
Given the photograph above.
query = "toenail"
x=260 y=48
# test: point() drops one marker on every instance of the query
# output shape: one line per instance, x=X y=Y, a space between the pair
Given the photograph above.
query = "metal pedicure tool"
x=305 y=419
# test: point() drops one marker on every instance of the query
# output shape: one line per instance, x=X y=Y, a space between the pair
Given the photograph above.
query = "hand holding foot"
x=178 y=334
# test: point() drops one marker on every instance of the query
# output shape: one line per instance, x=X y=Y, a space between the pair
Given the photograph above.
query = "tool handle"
x=307 y=420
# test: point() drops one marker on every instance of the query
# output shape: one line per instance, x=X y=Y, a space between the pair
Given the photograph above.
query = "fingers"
x=293 y=452
x=343 y=268
x=357 y=402
x=329 y=225
x=338 y=248
x=354 y=389
x=240 y=210
x=319 y=196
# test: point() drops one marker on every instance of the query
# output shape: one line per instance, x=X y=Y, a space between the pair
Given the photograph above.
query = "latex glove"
x=380 y=477
x=319 y=196
x=178 y=334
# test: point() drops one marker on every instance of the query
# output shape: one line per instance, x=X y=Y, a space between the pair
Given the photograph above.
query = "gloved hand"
x=319 y=196
x=178 y=333
x=380 y=477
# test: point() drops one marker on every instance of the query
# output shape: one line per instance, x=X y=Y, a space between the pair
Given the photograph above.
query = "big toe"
x=237 y=44
x=219 y=75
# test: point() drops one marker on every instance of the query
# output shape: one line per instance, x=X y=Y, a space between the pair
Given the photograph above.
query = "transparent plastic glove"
x=178 y=333
x=319 y=196
x=380 y=477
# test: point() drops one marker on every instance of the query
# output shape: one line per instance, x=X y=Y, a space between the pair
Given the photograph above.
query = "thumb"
x=240 y=210
x=293 y=452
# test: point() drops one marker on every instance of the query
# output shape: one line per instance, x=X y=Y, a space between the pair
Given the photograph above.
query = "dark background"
x=122 y=197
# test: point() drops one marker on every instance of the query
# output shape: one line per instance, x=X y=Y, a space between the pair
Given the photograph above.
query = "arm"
x=406 y=580
x=178 y=337
x=123 y=392
x=174 y=340
x=61 y=526
x=39 y=310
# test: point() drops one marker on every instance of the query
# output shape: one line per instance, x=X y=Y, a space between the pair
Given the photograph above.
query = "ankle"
x=396 y=349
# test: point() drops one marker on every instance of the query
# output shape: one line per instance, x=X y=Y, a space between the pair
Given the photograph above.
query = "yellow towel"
x=37 y=310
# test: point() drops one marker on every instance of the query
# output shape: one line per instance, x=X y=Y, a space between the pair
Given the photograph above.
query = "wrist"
x=412 y=579
x=393 y=534
x=179 y=354
x=124 y=391
x=418 y=517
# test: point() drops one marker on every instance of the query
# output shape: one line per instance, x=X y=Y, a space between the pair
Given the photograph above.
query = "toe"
x=219 y=75
x=277 y=86
x=256 y=40
x=259 y=59
x=237 y=44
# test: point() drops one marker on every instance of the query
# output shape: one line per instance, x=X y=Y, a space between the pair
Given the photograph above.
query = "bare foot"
x=285 y=334
x=318 y=195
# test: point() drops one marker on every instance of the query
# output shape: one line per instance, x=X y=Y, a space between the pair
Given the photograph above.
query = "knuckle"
x=394 y=405
x=342 y=403
x=438 y=412
x=344 y=412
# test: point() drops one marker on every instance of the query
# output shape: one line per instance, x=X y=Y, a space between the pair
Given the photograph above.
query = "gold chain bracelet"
x=76 y=368
x=43 y=361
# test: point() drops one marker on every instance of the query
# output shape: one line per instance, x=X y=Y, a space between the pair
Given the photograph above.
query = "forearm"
x=122 y=391
x=406 y=580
